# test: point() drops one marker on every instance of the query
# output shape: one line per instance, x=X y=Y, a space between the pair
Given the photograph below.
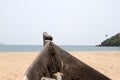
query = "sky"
x=70 y=22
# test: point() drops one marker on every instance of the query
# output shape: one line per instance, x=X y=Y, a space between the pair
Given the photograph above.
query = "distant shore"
x=14 y=64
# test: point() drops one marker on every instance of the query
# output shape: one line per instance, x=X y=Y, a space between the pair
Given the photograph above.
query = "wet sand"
x=14 y=64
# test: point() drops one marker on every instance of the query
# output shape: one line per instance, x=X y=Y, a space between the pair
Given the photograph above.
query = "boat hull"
x=53 y=59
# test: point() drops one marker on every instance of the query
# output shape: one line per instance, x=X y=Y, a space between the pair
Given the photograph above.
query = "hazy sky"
x=70 y=22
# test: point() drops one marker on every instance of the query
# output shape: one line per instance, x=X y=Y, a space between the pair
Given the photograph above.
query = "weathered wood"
x=53 y=59
x=46 y=38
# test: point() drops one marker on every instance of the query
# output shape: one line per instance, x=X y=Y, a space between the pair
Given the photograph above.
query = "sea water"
x=31 y=48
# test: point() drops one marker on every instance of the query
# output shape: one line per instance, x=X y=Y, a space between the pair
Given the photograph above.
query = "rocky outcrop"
x=112 y=41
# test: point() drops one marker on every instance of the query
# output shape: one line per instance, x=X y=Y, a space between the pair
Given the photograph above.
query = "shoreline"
x=14 y=64
x=41 y=50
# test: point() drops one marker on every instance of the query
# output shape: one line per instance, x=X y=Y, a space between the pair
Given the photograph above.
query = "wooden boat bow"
x=52 y=59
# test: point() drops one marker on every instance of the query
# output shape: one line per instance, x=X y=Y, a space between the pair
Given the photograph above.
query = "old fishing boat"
x=54 y=63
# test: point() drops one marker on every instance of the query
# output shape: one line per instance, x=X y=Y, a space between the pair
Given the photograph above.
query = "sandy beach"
x=14 y=64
